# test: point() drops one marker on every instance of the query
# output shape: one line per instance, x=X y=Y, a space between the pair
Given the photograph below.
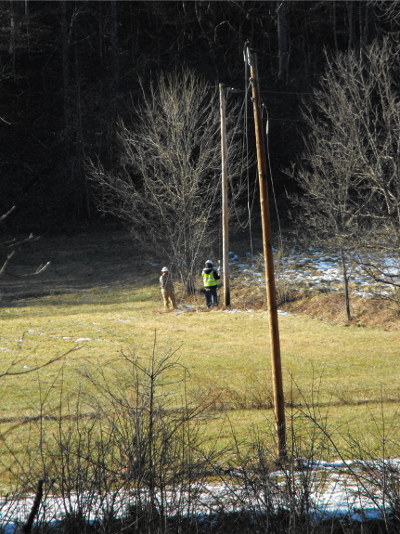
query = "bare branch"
x=7 y=261
x=39 y=270
x=14 y=243
x=4 y=120
x=5 y=215
x=10 y=372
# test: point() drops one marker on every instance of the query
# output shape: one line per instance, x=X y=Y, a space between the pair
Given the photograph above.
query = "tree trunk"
x=334 y=25
x=114 y=40
x=369 y=30
x=65 y=65
x=351 y=25
x=346 y=285
x=283 y=53
x=13 y=31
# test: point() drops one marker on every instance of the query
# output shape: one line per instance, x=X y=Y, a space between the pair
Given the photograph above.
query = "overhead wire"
x=244 y=162
x=247 y=86
x=277 y=211
x=278 y=218
x=231 y=139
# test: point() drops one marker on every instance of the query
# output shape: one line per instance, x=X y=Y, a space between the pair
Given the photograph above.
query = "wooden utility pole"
x=279 y=403
x=225 y=216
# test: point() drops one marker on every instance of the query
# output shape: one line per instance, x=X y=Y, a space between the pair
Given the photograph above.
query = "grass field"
x=343 y=379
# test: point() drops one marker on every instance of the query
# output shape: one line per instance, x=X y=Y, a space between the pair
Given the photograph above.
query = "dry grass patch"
x=370 y=312
x=226 y=355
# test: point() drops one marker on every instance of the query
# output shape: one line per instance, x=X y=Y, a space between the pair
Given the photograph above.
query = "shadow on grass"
x=89 y=267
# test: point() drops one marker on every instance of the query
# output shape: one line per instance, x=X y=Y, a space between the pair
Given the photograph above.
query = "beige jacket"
x=166 y=282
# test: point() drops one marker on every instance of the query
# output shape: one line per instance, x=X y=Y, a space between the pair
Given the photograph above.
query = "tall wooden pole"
x=225 y=217
x=279 y=403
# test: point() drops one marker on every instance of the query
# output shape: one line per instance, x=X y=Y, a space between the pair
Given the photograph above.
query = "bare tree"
x=350 y=172
x=165 y=185
x=283 y=39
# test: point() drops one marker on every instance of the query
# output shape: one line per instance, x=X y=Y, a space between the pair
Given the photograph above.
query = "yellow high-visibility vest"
x=208 y=279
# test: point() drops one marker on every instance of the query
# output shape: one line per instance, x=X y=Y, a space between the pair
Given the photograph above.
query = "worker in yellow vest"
x=210 y=281
x=167 y=289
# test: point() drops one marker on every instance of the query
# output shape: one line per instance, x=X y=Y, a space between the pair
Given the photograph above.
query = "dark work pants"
x=211 y=296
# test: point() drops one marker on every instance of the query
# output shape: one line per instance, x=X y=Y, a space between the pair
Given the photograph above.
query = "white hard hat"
x=165 y=270
x=209 y=262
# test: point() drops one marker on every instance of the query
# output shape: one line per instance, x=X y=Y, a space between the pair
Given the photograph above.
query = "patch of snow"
x=316 y=268
x=337 y=496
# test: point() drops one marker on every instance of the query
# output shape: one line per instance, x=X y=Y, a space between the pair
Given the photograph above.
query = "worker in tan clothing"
x=167 y=289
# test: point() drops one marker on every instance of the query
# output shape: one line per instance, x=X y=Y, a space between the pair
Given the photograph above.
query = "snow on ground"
x=316 y=269
x=337 y=489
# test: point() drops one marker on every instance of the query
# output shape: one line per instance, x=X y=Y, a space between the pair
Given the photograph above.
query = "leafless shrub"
x=165 y=185
x=139 y=456
x=349 y=173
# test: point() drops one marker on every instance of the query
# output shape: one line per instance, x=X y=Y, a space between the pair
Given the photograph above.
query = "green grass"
x=348 y=376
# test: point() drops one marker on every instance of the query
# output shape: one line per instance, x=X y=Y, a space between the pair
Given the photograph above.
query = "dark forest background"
x=69 y=69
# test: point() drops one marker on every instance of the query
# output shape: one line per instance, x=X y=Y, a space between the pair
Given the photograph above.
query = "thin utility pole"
x=225 y=216
x=279 y=403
